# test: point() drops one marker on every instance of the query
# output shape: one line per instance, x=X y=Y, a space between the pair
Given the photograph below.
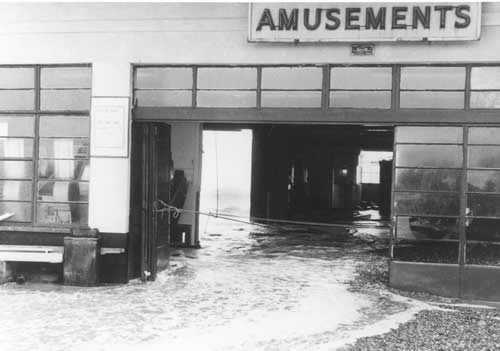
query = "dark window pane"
x=483 y=181
x=483 y=254
x=426 y=204
x=427 y=179
x=16 y=169
x=17 y=100
x=16 y=148
x=64 y=148
x=63 y=191
x=63 y=169
x=486 y=205
x=17 y=78
x=66 y=77
x=64 y=126
x=483 y=229
x=21 y=211
x=164 y=78
x=426 y=228
x=484 y=157
x=64 y=214
x=17 y=126
x=484 y=135
x=65 y=100
x=443 y=156
x=431 y=252
x=15 y=190
x=429 y=135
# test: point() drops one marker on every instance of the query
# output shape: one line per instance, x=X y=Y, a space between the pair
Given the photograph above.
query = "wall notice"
x=364 y=22
x=109 y=127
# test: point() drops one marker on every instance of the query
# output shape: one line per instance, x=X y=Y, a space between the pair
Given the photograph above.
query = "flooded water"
x=245 y=289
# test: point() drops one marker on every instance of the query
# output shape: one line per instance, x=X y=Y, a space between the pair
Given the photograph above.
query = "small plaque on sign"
x=363 y=50
x=109 y=127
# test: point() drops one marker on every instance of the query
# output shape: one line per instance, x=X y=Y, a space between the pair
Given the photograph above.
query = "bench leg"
x=5 y=272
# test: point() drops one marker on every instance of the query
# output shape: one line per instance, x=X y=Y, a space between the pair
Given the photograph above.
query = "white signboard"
x=109 y=126
x=364 y=22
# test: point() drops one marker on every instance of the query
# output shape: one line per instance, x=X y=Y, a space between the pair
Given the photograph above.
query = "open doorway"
x=226 y=173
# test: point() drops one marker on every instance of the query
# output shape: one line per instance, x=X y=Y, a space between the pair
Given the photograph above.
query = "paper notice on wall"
x=109 y=125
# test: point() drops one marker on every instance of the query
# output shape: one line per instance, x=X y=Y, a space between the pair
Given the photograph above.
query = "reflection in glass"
x=73 y=148
x=484 y=135
x=431 y=99
x=62 y=169
x=17 y=126
x=65 y=100
x=483 y=181
x=360 y=99
x=226 y=98
x=63 y=191
x=483 y=229
x=17 y=78
x=16 y=169
x=156 y=98
x=426 y=228
x=163 y=78
x=15 y=190
x=414 y=134
x=227 y=78
x=17 y=100
x=484 y=156
x=487 y=205
x=437 y=78
x=292 y=77
x=64 y=214
x=16 y=148
x=482 y=254
x=427 y=179
x=361 y=78
x=443 y=156
x=66 y=77
x=64 y=126
x=21 y=211
x=432 y=252
x=426 y=204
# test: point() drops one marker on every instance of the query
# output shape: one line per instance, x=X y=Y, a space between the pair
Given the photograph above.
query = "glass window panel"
x=62 y=169
x=427 y=179
x=361 y=78
x=430 y=252
x=414 y=134
x=16 y=148
x=431 y=99
x=483 y=229
x=164 y=78
x=64 y=214
x=226 y=98
x=487 y=205
x=485 y=78
x=15 y=190
x=227 y=78
x=426 y=228
x=482 y=254
x=73 y=148
x=17 y=78
x=484 y=156
x=17 y=126
x=292 y=78
x=484 y=135
x=21 y=211
x=16 y=169
x=66 y=77
x=17 y=100
x=59 y=191
x=291 y=99
x=157 y=98
x=426 y=203
x=441 y=156
x=65 y=100
x=435 y=78
x=485 y=99
x=64 y=126
x=483 y=181
x=360 y=99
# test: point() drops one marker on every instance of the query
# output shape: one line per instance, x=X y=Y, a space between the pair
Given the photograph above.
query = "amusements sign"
x=109 y=127
x=364 y=22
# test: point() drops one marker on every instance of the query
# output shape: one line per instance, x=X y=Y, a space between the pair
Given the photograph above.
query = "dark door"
x=152 y=184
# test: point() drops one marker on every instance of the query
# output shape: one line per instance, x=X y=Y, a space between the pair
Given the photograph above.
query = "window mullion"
x=36 y=142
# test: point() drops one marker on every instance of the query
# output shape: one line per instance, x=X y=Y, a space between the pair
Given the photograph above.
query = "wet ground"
x=247 y=288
